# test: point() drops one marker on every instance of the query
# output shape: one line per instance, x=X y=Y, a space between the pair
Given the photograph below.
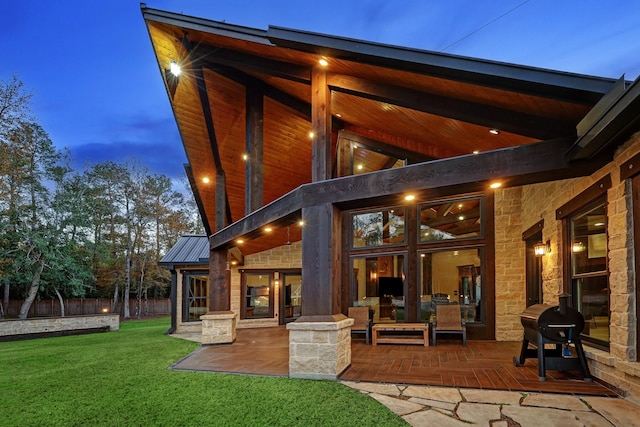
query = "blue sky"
x=98 y=91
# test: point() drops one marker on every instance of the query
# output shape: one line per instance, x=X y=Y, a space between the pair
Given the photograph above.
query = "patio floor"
x=482 y=364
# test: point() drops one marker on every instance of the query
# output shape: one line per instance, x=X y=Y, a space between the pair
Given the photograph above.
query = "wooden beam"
x=254 y=166
x=463 y=110
x=526 y=164
x=321 y=124
x=259 y=64
x=219 y=283
x=221 y=200
x=321 y=260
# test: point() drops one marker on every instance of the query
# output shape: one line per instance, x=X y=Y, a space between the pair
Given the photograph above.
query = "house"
x=333 y=172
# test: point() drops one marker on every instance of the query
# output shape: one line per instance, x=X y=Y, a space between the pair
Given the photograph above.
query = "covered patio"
x=481 y=364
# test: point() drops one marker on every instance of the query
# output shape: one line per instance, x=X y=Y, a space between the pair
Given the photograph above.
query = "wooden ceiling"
x=421 y=107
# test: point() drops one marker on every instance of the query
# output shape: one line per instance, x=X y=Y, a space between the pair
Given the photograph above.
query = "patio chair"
x=361 y=322
x=448 y=321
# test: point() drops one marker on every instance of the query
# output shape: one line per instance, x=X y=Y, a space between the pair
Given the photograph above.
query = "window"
x=588 y=269
x=378 y=228
x=452 y=276
x=196 y=290
x=378 y=282
x=453 y=219
x=258 y=294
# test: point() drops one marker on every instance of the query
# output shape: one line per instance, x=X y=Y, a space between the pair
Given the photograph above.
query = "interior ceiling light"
x=323 y=62
x=175 y=68
x=493 y=131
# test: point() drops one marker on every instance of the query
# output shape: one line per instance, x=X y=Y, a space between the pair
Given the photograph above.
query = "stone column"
x=319 y=346
x=218 y=327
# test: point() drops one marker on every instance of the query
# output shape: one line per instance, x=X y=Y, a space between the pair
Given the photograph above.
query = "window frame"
x=186 y=274
x=244 y=296
x=482 y=213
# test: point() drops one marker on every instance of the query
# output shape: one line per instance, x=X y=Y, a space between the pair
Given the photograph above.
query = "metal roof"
x=189 y=250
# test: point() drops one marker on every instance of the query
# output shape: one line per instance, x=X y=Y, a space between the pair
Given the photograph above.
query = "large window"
x=196 y=291
x=451 y=219
x=452 y=276
x=379 y=283
x=588 y=269
x=258 y=294
x=378 y=228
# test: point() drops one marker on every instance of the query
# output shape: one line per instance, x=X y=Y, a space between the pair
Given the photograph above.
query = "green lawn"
x=121 y=379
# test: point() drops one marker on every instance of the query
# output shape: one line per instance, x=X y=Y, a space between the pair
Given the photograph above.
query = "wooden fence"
x=79 y=307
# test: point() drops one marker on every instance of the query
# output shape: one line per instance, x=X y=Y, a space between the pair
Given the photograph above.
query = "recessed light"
x=268 y=229
x=205 y=180
x=409 y=197
x=338 y=115
x=496 y=185
x=311 y=135
x=245 y=156
x=476 y=151
x=494 y=131
x=323 y=62
x=301 y=223
x=239 y=241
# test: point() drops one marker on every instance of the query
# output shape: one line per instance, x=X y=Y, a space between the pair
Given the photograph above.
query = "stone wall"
x=57 y=325
x=283 y=257
x=618 y=366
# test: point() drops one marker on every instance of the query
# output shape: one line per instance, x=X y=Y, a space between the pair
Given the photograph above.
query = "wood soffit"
x=438 y=106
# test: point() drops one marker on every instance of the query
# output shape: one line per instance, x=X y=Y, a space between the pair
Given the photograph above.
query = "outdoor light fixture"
x=175 y=68
x=494 y=131
x=541 y=248
x=496 y=185
x=206 y=180
x=409 y=197
x=239 y=241
x=323 y=62
x=268 y=229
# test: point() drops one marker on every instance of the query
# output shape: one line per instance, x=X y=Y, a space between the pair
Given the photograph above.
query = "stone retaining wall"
x=58 y=325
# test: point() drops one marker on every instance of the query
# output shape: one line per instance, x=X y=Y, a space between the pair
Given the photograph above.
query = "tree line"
x=99 y=232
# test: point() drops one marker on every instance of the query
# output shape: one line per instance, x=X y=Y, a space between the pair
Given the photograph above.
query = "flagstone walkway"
x=464 y=407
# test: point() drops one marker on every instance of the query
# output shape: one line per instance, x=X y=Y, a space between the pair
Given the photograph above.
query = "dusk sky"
x=97 y=87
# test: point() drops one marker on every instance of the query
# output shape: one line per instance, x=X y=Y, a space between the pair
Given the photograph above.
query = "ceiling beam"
x=471 y=112
x=247 y=61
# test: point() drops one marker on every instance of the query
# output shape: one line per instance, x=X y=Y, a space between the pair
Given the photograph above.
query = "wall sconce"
x=541 y=249
x=276 y=277
x=578 y=247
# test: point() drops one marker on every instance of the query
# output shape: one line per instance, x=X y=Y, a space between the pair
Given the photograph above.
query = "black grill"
x=560 y=325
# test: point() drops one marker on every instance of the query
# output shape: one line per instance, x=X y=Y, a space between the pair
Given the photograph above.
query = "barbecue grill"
x=559 y=325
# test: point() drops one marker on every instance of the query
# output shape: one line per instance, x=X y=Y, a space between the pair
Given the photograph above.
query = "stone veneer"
x=218 y=327
x=519 y=208
x=58 y=324
x=319 y=349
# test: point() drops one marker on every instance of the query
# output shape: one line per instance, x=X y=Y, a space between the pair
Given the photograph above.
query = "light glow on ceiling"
x=175 y=68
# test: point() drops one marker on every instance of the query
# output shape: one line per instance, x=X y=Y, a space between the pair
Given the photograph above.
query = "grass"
x=121 y=379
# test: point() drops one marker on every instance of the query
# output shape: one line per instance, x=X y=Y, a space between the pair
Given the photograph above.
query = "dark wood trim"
x=219 y=281
x=553 y=84
x=320 y=260
x=533 y=230
x=321 y=123
x=490 y=267
x=208 y=118
x=221 y=200
x=463 y=110
x=254 y=174
x=630 y=168
x=587 y=196
x=520 y=165
x=635 y=195
x=412 y=307
x=347 y=272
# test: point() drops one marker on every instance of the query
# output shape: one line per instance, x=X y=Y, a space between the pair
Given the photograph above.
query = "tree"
x=15 y=102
